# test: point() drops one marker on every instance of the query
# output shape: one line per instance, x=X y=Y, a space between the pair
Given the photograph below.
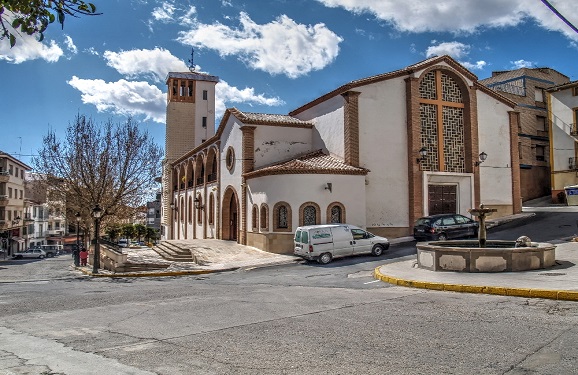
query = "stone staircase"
x=174 y=253
x=138 y=267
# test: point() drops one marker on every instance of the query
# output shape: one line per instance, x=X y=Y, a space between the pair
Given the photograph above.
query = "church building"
x=377 y=152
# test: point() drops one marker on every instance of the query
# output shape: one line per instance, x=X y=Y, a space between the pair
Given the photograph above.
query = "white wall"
x=232 y=136
x=465 y=189
x=383 y=150
x=328 y=119
x=278 y=143
x=297 y=189
x=562 y=116
x=494 y=140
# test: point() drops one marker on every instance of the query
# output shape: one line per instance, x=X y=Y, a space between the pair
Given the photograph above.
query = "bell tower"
x=190 y=121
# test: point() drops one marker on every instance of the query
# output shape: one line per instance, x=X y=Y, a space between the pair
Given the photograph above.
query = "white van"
x=325 y=242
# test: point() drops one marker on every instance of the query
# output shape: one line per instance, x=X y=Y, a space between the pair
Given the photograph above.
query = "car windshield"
x=422 y=221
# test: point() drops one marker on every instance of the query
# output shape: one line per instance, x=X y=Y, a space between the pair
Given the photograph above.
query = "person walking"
x=83 y=257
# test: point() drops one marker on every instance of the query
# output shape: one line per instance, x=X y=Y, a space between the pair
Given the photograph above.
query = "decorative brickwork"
x=351 y=128
x=453 y=119
x=516 y=189
x=427 y=87
x=429 y=136
x=450 y=90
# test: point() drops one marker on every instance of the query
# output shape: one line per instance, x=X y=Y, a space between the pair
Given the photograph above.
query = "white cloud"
x=226 y=94
x=30 y=49
x=461 y=15
x=70 y=44
x=478 y=65
x=279 y=47
x=123 y=97
x=155 y=63
x=522 y=64
x=92 y=51
x=456 y=50
x=164 y=13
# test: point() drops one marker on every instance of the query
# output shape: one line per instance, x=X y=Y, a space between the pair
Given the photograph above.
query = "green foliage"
x=32 y=17
x=113 y=232
x=128 y=231
x=140 y=231
x=151 y=235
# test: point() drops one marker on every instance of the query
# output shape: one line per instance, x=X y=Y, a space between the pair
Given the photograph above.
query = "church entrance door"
x=233 y=216
x=442 y=199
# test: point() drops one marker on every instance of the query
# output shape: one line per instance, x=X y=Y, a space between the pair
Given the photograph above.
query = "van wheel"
x=442 y=237
x=324 y=258
x=377 y=250
x=41 y=257
x=49 y=255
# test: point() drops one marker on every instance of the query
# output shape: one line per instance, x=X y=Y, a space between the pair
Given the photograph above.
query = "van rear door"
x=342 y=241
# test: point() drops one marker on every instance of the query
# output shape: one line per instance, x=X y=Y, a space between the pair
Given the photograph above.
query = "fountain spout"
x=481 y=214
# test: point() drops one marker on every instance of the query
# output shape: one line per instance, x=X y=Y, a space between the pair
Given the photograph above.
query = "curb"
x=563 y=295
x=155 y=274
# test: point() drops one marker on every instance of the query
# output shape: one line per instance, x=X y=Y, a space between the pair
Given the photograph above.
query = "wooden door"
x=442 y=199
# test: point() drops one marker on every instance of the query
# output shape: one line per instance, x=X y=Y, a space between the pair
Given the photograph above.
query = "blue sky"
x=271 y=56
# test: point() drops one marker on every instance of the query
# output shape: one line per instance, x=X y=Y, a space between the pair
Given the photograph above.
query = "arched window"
x=309 y=214
x=255 y=218
x=264 y=217
x=282 y=217
x=335 y=213
x=200 y=210
x=182 y=209
x=211 y=208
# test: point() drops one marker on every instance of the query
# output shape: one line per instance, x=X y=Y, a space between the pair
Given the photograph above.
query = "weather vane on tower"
x=191 y=61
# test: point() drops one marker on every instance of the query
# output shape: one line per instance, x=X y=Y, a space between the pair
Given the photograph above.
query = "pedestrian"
x=83 y=257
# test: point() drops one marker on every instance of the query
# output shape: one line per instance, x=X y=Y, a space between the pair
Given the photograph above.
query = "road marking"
x=371 y=282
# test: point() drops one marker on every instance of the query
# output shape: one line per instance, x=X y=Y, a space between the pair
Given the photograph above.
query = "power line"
x=547 y=3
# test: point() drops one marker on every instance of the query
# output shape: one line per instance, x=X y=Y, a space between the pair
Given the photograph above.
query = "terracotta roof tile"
x=267 y=119
x=312 y=163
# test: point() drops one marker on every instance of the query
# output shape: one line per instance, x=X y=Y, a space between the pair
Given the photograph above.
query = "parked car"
x=123 y=242
x=444 y=226
x=52 y=250
x=30 y=253
x=325 y=242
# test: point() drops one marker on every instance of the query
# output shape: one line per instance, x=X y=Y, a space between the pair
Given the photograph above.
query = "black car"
x=444 y=226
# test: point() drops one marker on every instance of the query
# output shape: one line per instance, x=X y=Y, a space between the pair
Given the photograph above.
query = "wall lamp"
x=483 y=156
x=422 y=155
x=16 y=220
x=329 y=186
x=174 y=207
x=198 y=204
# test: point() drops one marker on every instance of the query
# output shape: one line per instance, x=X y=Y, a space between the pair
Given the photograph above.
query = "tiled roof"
x=563 y=86
x=312 y=163
x=193 y=75
x=267 y=119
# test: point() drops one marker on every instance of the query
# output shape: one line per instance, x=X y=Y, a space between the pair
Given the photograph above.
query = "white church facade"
x=378 y=153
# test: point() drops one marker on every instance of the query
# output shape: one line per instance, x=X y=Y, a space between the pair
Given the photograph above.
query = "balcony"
x=573 y=164
x=190 y=183
x=200 y=180
x=574 y=130
x=4 y=176
x=212 y=177
x=3 y=200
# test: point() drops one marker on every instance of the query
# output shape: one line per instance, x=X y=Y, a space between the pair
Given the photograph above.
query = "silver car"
x=31 y=253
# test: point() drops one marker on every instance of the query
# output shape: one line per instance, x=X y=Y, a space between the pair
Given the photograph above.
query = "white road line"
x=371 y=282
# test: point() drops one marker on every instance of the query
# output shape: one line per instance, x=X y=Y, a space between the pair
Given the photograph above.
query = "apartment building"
x=12 y=203
x=526 y=87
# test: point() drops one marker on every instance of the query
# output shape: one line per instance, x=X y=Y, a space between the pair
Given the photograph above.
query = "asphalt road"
x=301 y=318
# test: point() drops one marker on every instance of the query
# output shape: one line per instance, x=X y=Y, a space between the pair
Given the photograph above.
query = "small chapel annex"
x=377 y=152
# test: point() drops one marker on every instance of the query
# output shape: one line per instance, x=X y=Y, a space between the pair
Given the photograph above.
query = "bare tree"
x=110 y=165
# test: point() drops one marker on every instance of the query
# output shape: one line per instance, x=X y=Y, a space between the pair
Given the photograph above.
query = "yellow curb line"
x=155 y=274
x=565 y=295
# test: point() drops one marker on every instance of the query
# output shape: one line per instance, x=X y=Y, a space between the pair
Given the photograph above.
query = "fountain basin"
x=497 y=256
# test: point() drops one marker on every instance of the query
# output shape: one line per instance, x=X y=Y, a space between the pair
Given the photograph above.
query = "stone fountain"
x=485 y=256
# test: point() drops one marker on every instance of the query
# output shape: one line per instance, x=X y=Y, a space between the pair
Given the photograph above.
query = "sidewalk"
x=558 y=282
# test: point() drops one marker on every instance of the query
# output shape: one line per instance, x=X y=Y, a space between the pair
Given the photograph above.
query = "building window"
x=21 y=194
x=541 y=125
x=211 y=208
x=309 y=214
x=9 y=192
x=540 y=153
x=255 y=218
x=204 y=122
x=200 y=210
x=282 y=217
x=16 y=174
x=264 y=217
x=336 y=213
x=520 y=150
x=575 y=91
x=230 y=159
x=283 y=222
x=539 y=94
x=205 y=94
x=190 y=210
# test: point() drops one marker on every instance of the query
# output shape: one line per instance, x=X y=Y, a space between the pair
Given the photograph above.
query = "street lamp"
x=77 y=251
x=96 y=213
